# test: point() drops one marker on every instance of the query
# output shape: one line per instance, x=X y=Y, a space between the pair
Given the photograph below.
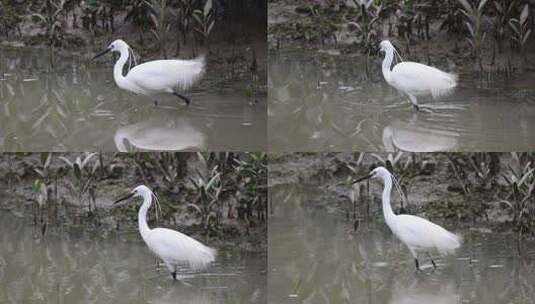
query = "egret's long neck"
x=142 y=215
x=387 y=209
x=387 y=62
x=118 y=69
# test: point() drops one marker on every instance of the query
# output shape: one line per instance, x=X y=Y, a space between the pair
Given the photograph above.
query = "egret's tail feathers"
x=442 y=83
x=190 y=72
x=201 y=59
x=449 y=243
x=203 y=257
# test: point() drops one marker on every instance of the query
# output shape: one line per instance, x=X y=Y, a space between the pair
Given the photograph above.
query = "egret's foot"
x=156 y=103
x=417 y=264
x=187 y=100
x=424 y=109
x=173 y=274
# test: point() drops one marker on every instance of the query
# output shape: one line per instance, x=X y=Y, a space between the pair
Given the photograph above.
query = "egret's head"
x=385 y=45
x=139 y=191
x=116 y=46
x=379 y=172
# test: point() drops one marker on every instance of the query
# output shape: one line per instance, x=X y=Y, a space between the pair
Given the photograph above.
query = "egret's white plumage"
x=164 y=75
x=417 y=233
x=415 y=79
x=173 y=247
x=155 y=77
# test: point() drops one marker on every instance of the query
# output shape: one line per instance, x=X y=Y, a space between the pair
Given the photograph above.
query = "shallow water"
x=332 y=104
x=77 y=107
x=316 y=257
x=77 y=267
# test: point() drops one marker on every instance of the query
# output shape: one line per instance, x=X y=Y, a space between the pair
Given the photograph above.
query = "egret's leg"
x=415 y=255
x=155 y=102
x=414 y=102
x=432 y=262
x=171 y=268
x=187 y=100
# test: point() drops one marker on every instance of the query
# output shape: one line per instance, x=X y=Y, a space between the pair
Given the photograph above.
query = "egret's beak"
x=363 y=178
x=101 y=53
x=129 y=195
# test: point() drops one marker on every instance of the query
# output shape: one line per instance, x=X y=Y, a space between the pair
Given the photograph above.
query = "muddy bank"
x=331 y=30
x=54 y=196
x=472 y=190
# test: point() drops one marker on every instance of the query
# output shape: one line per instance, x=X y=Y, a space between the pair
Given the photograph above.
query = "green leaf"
x=526 y=36
x=467 y=6
x=499 y=7
x=196 y=16
x=39 y=16
x=155 y=34
x=195 y=207
x=481 y=5
x=212 y=180
x=207 y=7
x=67 y=161
x=524 y=15
x=87 y=159
x=523 y=179
x=154 y=20
x=470 y=29
x=36 y=186
x=77 y=171
x=471 y=43
x=40 y=172
x=210 y=27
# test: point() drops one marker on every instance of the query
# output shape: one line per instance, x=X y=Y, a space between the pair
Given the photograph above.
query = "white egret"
x=173 y=247
x=415 y=79
x=155 y=77
x=416 y=233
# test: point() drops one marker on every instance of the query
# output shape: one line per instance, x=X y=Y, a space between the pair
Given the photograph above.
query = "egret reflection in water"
x=159 y=135
x=416 y=136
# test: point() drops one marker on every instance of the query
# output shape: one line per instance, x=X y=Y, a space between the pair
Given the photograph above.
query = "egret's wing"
x=417 y=79
x=421 y=233
x=179 y=248
x=165 y=75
